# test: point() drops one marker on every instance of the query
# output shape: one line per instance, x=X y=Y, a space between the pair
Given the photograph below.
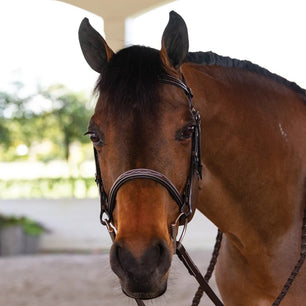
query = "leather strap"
x=194 y=271
x=140 y=302
x=142 y=173
x=297 y=267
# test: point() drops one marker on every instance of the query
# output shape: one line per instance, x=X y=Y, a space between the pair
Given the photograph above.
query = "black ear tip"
x=175 y=15
x=176 y=20
x=85 y=22
x=85 y=28
x=175 y=40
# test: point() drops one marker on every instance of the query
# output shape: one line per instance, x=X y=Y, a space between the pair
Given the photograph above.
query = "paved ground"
x=83 y=280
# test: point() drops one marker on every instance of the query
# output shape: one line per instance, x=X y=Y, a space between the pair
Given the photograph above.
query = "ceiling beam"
x=114 y=14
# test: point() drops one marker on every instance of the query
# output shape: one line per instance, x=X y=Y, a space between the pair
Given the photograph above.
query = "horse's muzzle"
x=144 y=276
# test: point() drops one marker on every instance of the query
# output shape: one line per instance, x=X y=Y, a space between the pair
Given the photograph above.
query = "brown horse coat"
x=253 y=156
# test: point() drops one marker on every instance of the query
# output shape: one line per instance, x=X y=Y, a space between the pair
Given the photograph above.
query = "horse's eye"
x=185 y=133
x=94 y=138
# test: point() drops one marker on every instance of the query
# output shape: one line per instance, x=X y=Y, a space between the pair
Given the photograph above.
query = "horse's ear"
x=95 y=49
x=174 y=41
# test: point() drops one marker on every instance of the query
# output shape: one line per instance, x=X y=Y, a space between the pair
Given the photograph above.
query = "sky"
x=39 y=44
x=270 y=33
x=39 y=41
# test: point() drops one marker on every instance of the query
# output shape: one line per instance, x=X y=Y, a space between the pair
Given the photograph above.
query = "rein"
x=108 y=202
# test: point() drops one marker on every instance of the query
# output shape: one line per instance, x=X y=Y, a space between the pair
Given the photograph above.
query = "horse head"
x=143 y=120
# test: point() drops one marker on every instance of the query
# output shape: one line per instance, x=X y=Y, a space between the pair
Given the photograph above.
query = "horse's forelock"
x=131 y=79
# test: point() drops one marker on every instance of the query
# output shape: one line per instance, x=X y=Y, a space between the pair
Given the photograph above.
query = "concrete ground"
x=84 y=280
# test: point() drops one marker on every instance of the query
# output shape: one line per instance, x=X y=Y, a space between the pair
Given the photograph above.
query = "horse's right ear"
x=95 y=49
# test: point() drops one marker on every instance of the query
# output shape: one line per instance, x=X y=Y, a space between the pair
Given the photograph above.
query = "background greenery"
x=39 y=128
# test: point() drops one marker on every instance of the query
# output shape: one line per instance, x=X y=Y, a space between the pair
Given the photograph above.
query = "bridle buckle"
x=110 y=228
x=175 y=229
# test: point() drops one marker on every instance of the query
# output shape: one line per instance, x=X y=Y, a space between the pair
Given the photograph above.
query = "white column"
x=114 y=29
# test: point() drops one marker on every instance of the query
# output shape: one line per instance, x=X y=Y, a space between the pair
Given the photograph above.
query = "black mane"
x=132 y=76
x=210 y=58
x=131 y=79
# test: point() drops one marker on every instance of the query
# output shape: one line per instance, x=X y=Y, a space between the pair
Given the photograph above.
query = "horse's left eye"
x=96 y=140
x=185 y=133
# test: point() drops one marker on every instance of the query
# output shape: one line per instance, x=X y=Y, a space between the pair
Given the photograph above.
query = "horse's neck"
x=254 y=169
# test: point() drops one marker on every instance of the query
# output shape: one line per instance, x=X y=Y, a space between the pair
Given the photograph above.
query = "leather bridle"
x=184 y=202
x=108 y=202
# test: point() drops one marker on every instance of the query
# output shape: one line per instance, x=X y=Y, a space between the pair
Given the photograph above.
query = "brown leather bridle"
x=184 y=202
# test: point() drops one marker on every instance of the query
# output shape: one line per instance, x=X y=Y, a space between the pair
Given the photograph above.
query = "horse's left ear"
x=175 y=42
x=95 y=49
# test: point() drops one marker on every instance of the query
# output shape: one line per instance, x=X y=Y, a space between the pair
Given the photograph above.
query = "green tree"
x=13 y=108
x=56 y=115
x=70 y=113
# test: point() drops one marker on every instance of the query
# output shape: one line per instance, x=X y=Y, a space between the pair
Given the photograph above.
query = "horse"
x=250 y=180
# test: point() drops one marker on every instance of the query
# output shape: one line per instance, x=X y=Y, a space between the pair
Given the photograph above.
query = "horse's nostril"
x=154 y=259
x=152 y=254
x=125 y=258
x=164 y=257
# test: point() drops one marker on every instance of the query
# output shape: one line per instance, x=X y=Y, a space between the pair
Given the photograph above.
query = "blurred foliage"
x=70 y=187
x=29 y=226
x=55 y=118
x=69 y=114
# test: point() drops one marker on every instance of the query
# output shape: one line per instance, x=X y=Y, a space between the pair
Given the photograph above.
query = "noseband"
x=108 y=202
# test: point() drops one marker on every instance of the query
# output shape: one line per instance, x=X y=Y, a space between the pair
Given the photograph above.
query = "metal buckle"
x=110 y=228
x=183 y=231
x=175 y=228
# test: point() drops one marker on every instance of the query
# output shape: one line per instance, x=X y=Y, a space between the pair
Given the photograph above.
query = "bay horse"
x=251 y=181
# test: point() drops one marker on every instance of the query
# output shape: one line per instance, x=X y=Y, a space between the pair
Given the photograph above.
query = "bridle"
x=108 y=202
x=184 y=202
